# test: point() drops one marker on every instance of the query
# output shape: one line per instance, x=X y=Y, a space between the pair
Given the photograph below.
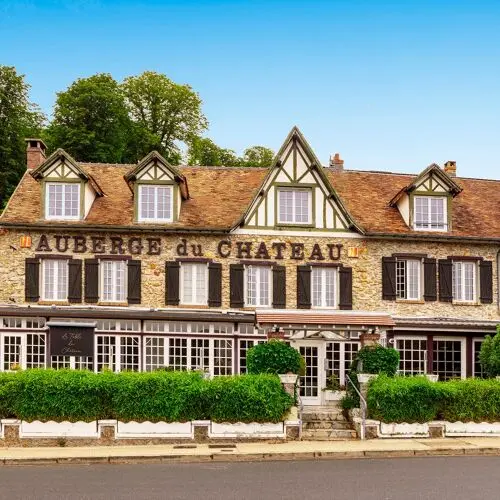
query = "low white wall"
x=37 y=429
x=254 y=430
x=472 y=429
x=132 y=429
x=403 y=430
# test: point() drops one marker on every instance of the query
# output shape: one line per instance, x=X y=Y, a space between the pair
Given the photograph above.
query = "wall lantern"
x=25 y=242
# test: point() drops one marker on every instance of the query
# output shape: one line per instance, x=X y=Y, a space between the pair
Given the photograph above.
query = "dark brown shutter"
x=279 y=287
x=91 y=280
x=388 y=278
x=32 y=280
x=134 y=281
x=236 y=278
x=486 y=281
x=215 y=284
x=304 y=287
x=445 y=280
x=172 y=283
x=75 y=280
x=430 y=280
x=345 y=295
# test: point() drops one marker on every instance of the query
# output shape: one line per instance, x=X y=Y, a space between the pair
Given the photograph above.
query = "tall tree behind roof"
x=19 y=118
x=168 y=113
x=91 y=120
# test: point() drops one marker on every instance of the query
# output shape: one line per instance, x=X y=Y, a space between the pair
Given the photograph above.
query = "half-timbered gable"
x=296 y=194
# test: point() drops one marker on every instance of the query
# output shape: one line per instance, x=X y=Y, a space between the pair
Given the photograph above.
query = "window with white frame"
x=258 y=286
x=324 y=287
x=113 y=280
x=155 y=203
x=464 y=281
x=62 y=200
x=294 y=206
x=194 y=283
x=430 y=213
x=449 y=358
x=412 y=355
x=118 y=353
x=339 y=357
x=245 y=345
x=72 y=362
x=408 y=278
x=54 y=279
x=22 y=351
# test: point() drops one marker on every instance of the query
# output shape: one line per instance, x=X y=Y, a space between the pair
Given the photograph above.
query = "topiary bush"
x=489 y=357
x=377 y=359
x=275 y=357
x=157 y=396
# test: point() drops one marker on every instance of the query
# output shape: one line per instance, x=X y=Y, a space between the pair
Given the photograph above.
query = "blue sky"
x=393 y=85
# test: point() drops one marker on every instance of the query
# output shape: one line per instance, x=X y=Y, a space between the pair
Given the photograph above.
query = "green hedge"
x=416 y=399
x=158 y=396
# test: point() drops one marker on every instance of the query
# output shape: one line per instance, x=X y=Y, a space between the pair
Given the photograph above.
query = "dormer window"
x=155 y=203
x=294 y=206
x=430 y=213
x=62 y=200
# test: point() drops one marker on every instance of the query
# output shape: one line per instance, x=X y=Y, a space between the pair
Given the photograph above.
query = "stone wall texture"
x=367 y=267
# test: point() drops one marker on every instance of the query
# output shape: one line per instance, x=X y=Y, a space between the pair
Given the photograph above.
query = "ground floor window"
x=412 y=355
x=339 y=356
x=245 y=345
x=22 y=351
x=118 y=353
x=448 y=358
x=477 y=369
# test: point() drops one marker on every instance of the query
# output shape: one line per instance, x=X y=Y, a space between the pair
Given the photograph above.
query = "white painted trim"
x=130 y=430
x=37 y=429
x=290 y=232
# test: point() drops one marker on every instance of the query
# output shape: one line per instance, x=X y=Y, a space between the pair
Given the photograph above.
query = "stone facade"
x=366 y=266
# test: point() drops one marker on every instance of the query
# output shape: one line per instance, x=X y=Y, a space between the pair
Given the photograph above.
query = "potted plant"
x=333 y=391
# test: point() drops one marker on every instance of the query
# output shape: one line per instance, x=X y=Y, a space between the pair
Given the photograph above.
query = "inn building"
x=138 y=267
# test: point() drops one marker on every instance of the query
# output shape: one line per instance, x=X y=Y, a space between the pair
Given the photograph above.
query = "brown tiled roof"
x=272 y=317
x=367 y=196
x=219 y=197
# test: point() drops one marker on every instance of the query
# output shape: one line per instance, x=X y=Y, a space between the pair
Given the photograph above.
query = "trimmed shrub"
x=275 y=357
x=489 y=356
x=403 y=399
x=248 y=398
x=378 y=359
x=157 y=396
x=471 y=400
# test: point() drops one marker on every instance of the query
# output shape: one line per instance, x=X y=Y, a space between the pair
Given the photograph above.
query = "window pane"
x=194 y=283
x=55 y=279
x=324 y=287
x=113 y=279
x=430 y=212
x=294 y=206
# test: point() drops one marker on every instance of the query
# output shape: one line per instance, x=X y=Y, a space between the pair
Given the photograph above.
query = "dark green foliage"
x=19 y=119
x=416 y=399
x=403 y=399
x=158 y=396
x=489 y=356
x=378 y=359
x=274 y=356
x=250 y=398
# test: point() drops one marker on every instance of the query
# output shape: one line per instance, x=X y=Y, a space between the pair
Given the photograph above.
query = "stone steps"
x=325 y=423
x=328 y=435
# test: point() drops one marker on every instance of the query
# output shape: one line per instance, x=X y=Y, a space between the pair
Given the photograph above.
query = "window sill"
x=53 y=302
x=409 y=301
x=194 y=306
x=465 y=303
x=115 y=304
x=291 y=225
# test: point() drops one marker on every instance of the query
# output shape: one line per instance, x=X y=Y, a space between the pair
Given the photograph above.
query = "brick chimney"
x=336 y=163
x=450 y=167
x=35 y=153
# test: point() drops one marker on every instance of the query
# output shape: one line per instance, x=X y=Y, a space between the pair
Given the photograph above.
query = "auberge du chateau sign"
x=116 y=245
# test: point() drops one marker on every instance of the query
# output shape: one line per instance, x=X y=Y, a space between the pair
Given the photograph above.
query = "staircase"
x=325 y=423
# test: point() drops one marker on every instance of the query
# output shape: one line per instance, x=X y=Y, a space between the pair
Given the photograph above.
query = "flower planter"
x=288 y=378
x=364 y=378
x=333 y=395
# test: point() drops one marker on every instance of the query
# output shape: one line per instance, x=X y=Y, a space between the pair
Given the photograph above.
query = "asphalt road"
x=440 y=478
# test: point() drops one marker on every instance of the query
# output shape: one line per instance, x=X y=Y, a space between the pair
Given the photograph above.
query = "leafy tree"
x=168 y=113
x=91 y=120
x=203 y=151
x=258 y=156
x=19 y=119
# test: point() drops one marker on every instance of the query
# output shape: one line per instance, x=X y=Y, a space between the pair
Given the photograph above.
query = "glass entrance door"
x=311 y=382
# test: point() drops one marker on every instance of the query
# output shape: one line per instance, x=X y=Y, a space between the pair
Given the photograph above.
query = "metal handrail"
x=363 y=407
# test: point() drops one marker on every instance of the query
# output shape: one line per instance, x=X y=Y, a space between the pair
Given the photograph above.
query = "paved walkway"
x=292 y=450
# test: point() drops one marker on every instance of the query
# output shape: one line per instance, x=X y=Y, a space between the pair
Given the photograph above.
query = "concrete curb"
x=250 y=457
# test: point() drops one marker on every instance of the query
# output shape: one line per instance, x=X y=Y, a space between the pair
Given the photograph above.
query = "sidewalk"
x=294 y=450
